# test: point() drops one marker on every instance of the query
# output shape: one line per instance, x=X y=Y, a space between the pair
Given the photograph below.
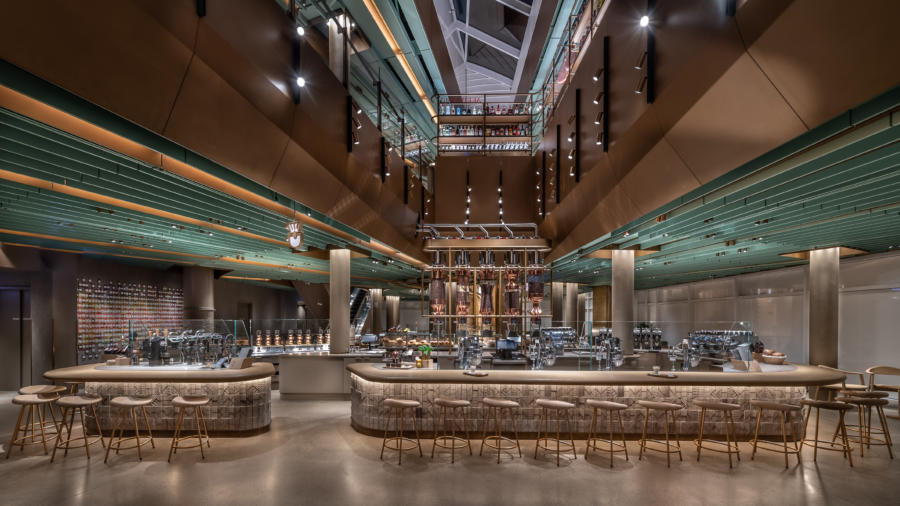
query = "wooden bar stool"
x=668 y=409
x=34 y=403
x=818 y=444
x=787 y=411
x=730 y=443
x=396 y=410
x=592 y=441
x=69 y=405
x=559 y=407
x=494 y=410
x=51 y=425
x=864 y=407
x=123 y=406
x=451 y=442
x=194 y=402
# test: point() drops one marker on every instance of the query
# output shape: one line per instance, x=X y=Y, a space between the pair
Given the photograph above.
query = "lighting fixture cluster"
x=641 y=64
x=500 y=196
x=468 y=197
x=599 y=101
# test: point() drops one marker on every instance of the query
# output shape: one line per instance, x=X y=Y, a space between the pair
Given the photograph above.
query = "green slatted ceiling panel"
x=33 y=149
x=845 y=192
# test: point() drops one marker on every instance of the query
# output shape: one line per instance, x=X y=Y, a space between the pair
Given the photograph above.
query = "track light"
x=640 y=86
x=572 y=171
x=571 y=137
x=501 y=211
x=599 y=98
x=355 y=138
x=572 y=154
x=356 y=123
x=598 y=74
x=552 y=152
x=599 y=140
x=599 y=119
x=642 y=59
x=300 y=31
x=301 y=82
x=645 y=21
x=500 y=200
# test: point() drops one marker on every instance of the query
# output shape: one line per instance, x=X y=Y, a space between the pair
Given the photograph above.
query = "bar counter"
x=371 y=384
x=240 y=399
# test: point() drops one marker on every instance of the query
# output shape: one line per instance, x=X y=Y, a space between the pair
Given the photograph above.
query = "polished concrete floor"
x=311 y=455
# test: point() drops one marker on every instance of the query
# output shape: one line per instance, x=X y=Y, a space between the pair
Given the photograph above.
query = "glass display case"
x=280 y=336
x=188 y=342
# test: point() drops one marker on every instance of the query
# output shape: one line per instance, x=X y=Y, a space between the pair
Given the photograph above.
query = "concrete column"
x=199 y=303
x=392 y=302
x=824 y=277
x=339 y=300
x=570 y=310
x=623 y=298
x=377 y=295
x=556 y=304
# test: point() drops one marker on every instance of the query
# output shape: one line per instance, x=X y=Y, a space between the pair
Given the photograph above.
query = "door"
x=13 y=329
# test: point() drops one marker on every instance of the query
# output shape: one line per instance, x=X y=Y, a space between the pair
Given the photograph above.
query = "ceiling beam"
x=490 y=74
x=518 y=6
x=488 y=39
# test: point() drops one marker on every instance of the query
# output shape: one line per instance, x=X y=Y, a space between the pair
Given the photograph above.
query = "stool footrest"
x=670 y=447
x=450 y=442
x=616 y=446
x=399 y=441
x=731 y=447
x=496 y=443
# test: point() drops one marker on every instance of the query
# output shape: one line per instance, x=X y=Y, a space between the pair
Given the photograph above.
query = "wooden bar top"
x=803 y=375
x=162 y=374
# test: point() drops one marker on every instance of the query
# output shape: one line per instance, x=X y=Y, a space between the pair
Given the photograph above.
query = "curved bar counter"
x=370 y=384
x=240 y=399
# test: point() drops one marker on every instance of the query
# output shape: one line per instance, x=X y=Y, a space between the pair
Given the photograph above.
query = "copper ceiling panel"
x=135 y=65
x=177 y=16
x=658 y=178
x=211 y=117
x=613 y=211
x=305 y=180
x=243 y=73
x=826 y=57
x=720 y=133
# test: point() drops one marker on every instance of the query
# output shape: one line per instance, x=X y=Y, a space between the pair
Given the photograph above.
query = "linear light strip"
x=389 y=37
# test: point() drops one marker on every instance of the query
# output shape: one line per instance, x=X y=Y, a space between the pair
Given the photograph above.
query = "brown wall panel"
x=827 y=56
x=212 y=117
x=720 y=133
x=658 y=178
x=112 y=53
x=177 y=16
x=518 y=189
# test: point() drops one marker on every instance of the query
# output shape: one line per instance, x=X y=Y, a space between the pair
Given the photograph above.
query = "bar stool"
x=559 y=407
x=592 y=441
x=46 y=391
x=495 y=409
x=451 y=442
x=730 y=434
x=34 y=403
x=69 y=405
x=817 y=444
x=396 y=410
x=864 y=406
x=123 y=405
x=668 y=409
x=194 y=402
x=866 y=395
x=787 y=411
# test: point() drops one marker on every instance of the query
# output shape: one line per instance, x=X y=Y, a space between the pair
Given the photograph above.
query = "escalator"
x=360 y=305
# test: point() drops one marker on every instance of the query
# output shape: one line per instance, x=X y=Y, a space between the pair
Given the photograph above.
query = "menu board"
x=105 y=307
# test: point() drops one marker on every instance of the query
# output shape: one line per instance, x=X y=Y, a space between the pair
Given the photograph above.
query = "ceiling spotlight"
x=599 y=119
x=642 y=59
x=467 y=211
x=501 y=212
x=355 y=138
x=539 y=199
x=431 y=164
x=427 y=201
x=499 y=189
x=599 y=98
x=356 y=123
x=468 y=200
x=551 y=153
x=500 y=200
x=300 y=31
x=599 y=140
x=645 y=21
x=387 y=173
x=301 y=82
x=571 y=137
x=572 y=171
x=467 y=221
x=641 y=85
x=572 y=154
x=598 y=74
